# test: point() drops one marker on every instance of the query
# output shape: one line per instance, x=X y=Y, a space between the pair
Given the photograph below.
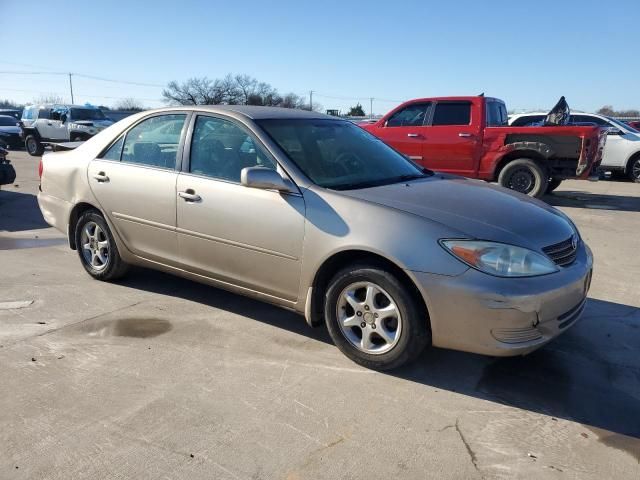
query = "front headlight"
x=500 y=259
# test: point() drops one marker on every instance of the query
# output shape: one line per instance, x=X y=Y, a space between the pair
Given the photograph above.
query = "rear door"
x=454 y=138
x=135 y=183
x=405 y=130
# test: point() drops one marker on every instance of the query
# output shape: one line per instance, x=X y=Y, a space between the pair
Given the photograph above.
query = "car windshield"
x=339 y=155
x=87 y=114
x=6 y=121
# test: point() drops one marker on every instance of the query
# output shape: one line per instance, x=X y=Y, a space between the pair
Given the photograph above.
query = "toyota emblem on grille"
x=574 y=242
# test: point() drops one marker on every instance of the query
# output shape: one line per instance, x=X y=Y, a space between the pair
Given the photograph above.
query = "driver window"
x=414 y=115
x=220 y=149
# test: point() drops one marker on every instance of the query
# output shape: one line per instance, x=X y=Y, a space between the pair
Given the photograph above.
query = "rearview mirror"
x=263 y=178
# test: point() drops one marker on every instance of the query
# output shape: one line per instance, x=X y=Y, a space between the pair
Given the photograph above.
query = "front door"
x=454 y=138
x=135 y=184
x=405 y=130
x=53 y=128
x=243 y=236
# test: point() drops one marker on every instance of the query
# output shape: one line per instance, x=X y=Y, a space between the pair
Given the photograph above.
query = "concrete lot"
x=159 y=377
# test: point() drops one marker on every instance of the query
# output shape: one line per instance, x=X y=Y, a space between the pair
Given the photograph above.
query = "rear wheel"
x=525 y=176
x=33 y=146
x=553 y=184
x=374 y=319
x=97 y=248
x=633 y=170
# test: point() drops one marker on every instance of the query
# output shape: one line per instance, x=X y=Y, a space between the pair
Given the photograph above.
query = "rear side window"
x=149 y=142
x=115 y=151
x=496 y=114
x=452 y=113
x=590 y=119
x=43 y=113
x=412 y=116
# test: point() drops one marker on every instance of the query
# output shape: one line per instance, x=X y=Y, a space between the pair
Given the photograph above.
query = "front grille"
x=563 y=253
x=572 y=315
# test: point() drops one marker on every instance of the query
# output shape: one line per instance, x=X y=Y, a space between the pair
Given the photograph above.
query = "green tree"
x=356 y=111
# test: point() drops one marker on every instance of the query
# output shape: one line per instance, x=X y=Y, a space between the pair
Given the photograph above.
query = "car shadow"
x=593 y=201
x=590 y=374
x=19 y=211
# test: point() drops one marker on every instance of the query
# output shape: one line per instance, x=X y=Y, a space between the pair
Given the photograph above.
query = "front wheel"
x=525 y=176
x=97 y=248
x=633 y=171
x=374 y=319
x=33 y=146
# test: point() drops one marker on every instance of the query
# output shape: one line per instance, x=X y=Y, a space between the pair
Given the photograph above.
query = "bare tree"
x=48 y=98
x=130 y=104
x=230 y=90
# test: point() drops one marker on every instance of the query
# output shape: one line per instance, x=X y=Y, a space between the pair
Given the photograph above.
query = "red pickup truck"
x=469 y=136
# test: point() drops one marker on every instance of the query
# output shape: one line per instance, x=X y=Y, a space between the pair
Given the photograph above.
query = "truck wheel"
x=33 y=146
x=525 y=176
x=633 y=170
x=553 y=184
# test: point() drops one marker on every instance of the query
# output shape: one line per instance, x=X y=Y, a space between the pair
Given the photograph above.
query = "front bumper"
x=479 y=313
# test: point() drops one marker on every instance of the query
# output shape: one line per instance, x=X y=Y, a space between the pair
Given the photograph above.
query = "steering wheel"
x=350 y=160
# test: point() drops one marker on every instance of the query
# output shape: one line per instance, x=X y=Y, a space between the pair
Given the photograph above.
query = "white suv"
x=43 y=124
x=621 y=151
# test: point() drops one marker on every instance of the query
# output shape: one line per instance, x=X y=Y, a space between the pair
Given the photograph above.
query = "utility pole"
x=311 y=100
x=71 y=88
x=370 y=107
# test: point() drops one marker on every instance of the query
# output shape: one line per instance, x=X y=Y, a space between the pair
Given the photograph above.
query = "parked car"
x=469 y=136
x=10 y=131
x=314 y=214
x=634 y=124
x=622 y=150
x=11 y=112
x=45 y=124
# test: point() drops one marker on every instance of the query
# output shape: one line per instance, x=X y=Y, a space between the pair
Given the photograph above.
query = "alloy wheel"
x=32 y=146
x=635 y=170
x=95 y=246
x=369 y=318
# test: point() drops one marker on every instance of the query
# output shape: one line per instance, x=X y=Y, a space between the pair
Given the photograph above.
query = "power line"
x=82 y=75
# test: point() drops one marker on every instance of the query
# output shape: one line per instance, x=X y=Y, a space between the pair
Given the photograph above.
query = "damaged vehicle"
x=44 y=125
x=469 y=136
x=314 y=214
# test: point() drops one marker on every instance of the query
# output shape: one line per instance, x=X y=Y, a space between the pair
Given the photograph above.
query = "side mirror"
x=614 y=131
x=263 y=178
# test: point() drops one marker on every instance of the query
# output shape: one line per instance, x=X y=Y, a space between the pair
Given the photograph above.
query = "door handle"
x=465 y=135
x=189 y=195
x=413 y=135
x=101 y=177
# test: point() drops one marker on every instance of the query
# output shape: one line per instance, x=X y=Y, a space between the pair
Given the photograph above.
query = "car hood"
x=474 y=209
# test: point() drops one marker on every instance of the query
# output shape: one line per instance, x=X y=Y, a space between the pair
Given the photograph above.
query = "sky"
x=527 y=53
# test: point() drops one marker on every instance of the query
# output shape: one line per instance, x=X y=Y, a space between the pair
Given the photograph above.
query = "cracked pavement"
x=158 y=377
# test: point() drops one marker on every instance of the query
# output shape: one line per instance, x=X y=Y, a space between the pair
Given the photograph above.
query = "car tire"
x=97 y=248
x=525 y=176
x=33 y=146
x=395 y=323
x=633 y=169
x=553 y=184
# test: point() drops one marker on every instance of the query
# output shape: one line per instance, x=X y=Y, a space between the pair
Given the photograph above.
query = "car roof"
x=250 y=111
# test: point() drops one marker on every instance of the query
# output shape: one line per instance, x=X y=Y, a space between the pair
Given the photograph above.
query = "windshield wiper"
x=382 y=181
